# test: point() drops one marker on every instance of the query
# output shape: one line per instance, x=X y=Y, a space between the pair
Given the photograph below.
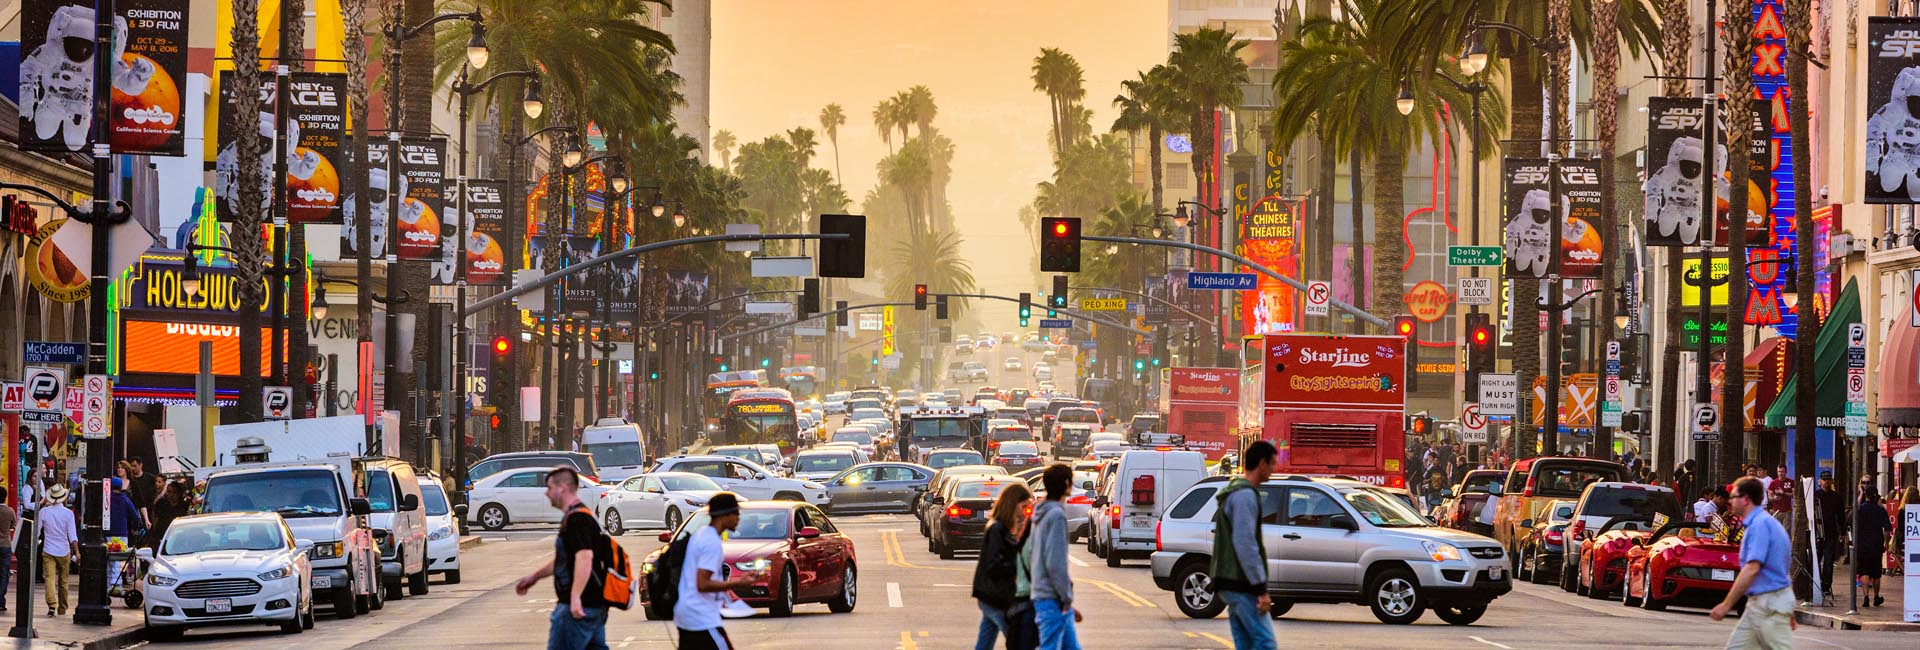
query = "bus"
x=722 y=385
x=760 y=416
x=1333 y=405
x=803 y=381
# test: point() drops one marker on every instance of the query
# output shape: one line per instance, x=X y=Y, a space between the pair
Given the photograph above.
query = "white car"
x=519 y=496
x=443 y=531
x=851 y=447
x=748 y=479
x=1012 y=364
x=822 y=463
x=881 y=426
x=857 y=436
x=655 y=500
x=227 y=568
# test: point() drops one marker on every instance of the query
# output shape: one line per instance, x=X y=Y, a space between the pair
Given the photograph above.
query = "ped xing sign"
x=1103 y=304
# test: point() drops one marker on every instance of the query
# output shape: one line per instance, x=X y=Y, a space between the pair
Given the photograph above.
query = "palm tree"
x=1799 y=26
x=723 y=144
x=912 y=171
x=249 y=258
x=1606 y=118
x=921 y=108
x=1057 y=74
x=1147 y=105
x=803 y=143
x=1738 y=25
x=1676 y=43
x=831 y=119
x=903 y=116
x=933 y=259
x=883 y=117
x=1207 y=73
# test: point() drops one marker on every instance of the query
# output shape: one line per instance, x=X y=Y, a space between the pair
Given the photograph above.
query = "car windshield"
x=436 y=499
x=756 y=523
x=741 y=452
x=616 y=454
x=978 y=489
x=939 y=429
x=868 y=414
x=1565 y=479
x=1011 y=433
x=952 y=458
x=861 y=437
x=1079 y=415
x=292 y=493
x=859 y=404
x=380 y=492
x=190 y=537
x=1023 y=448
x=1630 y=502
x=693 y=483
x=1104 y=446
x=1382 y=509
x=823 y=462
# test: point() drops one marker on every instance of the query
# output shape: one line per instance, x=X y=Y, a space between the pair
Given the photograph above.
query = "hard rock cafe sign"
x=1428 y=301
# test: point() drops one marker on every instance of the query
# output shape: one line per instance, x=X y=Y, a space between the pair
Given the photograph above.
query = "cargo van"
x=618 y=449
x=1144 y=483
x=399 y=526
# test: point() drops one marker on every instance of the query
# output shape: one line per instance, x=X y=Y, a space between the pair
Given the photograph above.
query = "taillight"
x=1579 y=526
x=957 y=512
x=1156 y=537
x=1529 y=489
x=1116 y=516
x=1553 y=536
x=1081 y=500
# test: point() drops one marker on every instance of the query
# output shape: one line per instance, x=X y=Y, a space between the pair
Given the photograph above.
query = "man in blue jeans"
x=579 y=619
x=1053 y=610
x=1239 y=556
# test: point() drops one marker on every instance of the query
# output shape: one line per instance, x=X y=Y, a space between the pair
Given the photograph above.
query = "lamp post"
x=547 y=313
x=580 y=314
x=1181 y=218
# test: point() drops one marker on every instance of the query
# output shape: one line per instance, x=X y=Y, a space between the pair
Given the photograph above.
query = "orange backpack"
x=612 y=570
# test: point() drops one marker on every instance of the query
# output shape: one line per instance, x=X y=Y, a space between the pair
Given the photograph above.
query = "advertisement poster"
x=1530 y=211
x=316 y=133
x=486 y=233
x=584 y=288
x=423 y=198
x=56 y=75
x=1893 y=110
x=1267 y=236
x=1676 y=157
x=1761 y=198
x=686 y=291
x=147 y=78
x=1341 y=372
x=623 y=279
x=1203 y=405
x=50 y=271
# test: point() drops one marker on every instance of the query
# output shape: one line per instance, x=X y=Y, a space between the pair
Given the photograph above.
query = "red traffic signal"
x=1419 y=425
x=501 y=345
x=1060 y=244
x=1403 y=326
x=1480 y=335
x=920 y=297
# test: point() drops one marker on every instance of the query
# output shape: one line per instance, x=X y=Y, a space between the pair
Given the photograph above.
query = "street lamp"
x=573 y=153
x=1404 y=103
x=679 y=217
x=659 y=209
x=1180 y=216
x=477 y=45
x=1474 y=59
x=533 y=103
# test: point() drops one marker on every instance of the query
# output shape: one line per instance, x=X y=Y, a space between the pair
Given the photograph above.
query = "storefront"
x=1897 y=419
x=1831 y=447
x=1769 y=367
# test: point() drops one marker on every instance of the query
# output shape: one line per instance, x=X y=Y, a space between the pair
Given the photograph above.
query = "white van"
x=618 y=449
x=1144 y=484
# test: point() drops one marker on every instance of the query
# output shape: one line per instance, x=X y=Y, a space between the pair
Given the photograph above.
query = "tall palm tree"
x=804 y=144
x=354 y=15
x=883 y=117
x=723 y=144
x=831 y=119
x=933 y=259
x=1060 y=77
x=912 y=171
x=1676 y=44
x=1606 y=118
x=1207 y=72
x=1738 y=27
x=1799 y=26
x=921 y=107
x=903 y=116
x=250 y=257
x=1146 y=105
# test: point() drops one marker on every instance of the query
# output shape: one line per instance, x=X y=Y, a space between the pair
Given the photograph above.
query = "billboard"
x=423 y=198
x=485 y=228
x=56 y=75
x=1335 y=372
x=316 y=133
x=173 y=348
x=147 y=111
x=1893 y=110
x=1268 y=237
x=686 y=291
x=1673 y=189
x=1530 y=211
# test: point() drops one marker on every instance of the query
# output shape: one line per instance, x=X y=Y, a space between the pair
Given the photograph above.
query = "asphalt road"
x=910 y=599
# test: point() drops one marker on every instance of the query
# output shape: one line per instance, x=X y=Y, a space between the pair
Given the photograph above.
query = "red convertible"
x=804 y=557
x=1681 y=563
x=1603 y=557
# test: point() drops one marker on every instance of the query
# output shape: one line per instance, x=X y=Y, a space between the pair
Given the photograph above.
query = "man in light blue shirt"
x=1765 y=552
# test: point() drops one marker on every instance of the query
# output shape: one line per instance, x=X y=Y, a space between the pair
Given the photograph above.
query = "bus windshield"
x=940 y=429
x=760 y=422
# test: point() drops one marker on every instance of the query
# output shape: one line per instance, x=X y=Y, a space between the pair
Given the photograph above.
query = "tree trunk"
x=293 y=45
x=1799 y=25
x=1356 y=247
x=249 y=255
x=1389 y=243
x=1606 y=106
x=1153 y=162
x=1676 y=47
x=416 y=116
x=1326 y=184
x=1738 y=19
x=1526 y=119
x=354 y=16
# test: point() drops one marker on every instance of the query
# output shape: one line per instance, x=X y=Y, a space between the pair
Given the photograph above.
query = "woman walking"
x=1870 y=529
x=995 y=576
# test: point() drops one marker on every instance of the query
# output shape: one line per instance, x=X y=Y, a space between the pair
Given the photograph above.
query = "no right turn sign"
x=1319 y=294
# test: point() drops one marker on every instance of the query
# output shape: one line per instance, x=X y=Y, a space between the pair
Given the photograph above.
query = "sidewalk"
x=62 y=632
x=1882 y=618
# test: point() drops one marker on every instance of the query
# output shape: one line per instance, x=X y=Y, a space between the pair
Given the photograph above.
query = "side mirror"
x=1343 y=522
x=666 y=537
x=936 y=500
x=460 y=511
x=147 y=553
x=300 y=545
x=808 y=532
x=1086 y=485
x=1100 y=502
x=920 y=488
x=759 y=476
x=1526 y=523
x=409 y=502
x=359 y=506
x=655 y=489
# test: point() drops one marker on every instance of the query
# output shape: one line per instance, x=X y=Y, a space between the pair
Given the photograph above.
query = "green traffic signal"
x=765 y=362
x=1139 y=365
x=723 y=367
x=1156 y=362
x=1023 y=320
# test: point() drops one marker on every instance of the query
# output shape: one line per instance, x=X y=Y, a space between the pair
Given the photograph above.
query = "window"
x=1178 y=177
x=820 y=521
x=483 y=470
x=740 y=471
x=862 y=475
x=435 y=500
x=1311 y=508
x=380 y=491
x=1191 y=504
x=523 y=480
x=801 y=519
x=1271 y=500
x=707 y=468
x=639 y=484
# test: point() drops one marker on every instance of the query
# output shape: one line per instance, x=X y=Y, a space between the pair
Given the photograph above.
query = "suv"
x=746 y=478
x=399 y=526
x=1335 y=541
x=321 y=502
x=581 y=461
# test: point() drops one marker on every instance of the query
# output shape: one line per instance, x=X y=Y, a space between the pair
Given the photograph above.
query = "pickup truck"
x=1532 y=483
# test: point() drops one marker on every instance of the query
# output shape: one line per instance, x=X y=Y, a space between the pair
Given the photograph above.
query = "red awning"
x=1768 y=367
x=1898 y=382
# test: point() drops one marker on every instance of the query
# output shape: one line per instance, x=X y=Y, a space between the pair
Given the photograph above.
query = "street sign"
x=1475 y=256
x=1056 y=323
x=1476 y=291
x=96 y=416
x=1856 y=419
x=1319 y=293
x=1473 y=425
x=44 y=352
x=1499 y=394
x=278 y=401
x=1706 y=422
x=1610 y=405
x=76 y=402
x=1103 y=304
x=1221 y=281
x=13 y=397
x=46 y=394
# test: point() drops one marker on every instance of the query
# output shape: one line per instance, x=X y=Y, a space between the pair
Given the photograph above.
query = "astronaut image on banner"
x=1673 y=191
x=1530 y=234
x=377 y=187
x=56 y=79
x=1893 y=143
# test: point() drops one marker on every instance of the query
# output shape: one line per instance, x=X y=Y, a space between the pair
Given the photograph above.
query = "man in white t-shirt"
x=1704 y=509
x=702 y=591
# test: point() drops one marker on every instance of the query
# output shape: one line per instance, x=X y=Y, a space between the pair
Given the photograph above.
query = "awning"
x=1829 y=368
x=1768 y=367
x=1897 y=385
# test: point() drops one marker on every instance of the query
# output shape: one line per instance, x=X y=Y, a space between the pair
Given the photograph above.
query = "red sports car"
x=1675 y=567
x=1603 y=559
x=804 y=558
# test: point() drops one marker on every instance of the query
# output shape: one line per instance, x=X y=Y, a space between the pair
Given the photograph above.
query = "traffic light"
x=810 y=296
x=719 y=363
x=1419 y=425
x=766 y=362
x=840 y=318
x=940 y=307
x=1060 y=244
x=1059 y=297
x=1569 y=351
x=1139 y=365
x=1404 y=326
x=876 y=358
x=843 y=258
x=653 y=375
x=502 y=346
x=1026 y=308
x=1480 y=355
x=920 y=297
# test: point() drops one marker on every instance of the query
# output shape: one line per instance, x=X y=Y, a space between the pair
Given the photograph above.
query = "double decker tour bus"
x=760 y=416
x=721 y=386
x=1333 y=405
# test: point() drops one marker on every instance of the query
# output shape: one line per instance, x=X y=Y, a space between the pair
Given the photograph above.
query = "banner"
x=316 y=133
x=1761 y=197
x=1530 y=211
x=1267 y=236
x=423 y=191
x=1676 y=154
x=1893 y=110
x=686 y=291
x=147 y=111
x=56 y=74
x=584 y=288
x=485 y=225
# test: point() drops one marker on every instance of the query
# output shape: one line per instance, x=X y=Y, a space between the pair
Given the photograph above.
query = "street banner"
x=147 y=114
x=623 y=288
x=485 y=228
x=687 y=291
x=316 y=133
x=584 y=288
x=1529 y=212
x=49 y=269
x=1267 y=236
x=1677 y=155
x=423 y=195
x=56 y=74
x=1761 y=195
x=1893 y=109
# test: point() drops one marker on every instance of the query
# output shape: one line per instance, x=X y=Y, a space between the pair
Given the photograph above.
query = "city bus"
x=760 y=416
x=721 y=386
x=803 y=381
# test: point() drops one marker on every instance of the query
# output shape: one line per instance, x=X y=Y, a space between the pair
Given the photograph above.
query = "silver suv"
x=1336 y=541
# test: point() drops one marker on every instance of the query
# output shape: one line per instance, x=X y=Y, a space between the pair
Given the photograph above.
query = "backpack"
x=663 y=579
x=612 y=572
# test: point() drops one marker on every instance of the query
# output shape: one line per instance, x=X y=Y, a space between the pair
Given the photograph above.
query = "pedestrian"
x=1239 y=564
x=1898 y=563
x=1760 y=472
x=1871 y=527
x=1704 y=510
x=8 y=520
x=995 y=576
x=579 y=618
x=172 y=504
x=59 y=543
x=1780 y=498
x=1685 y=481
x=1053 y=609
x=142 y=486
x=1765 y=552
x=703 y=588
x=124 y=524
x=1832 y=533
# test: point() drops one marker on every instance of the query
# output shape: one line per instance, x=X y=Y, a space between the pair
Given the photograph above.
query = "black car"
x=958 y=516
x=1540 y=555
x=1017 y=455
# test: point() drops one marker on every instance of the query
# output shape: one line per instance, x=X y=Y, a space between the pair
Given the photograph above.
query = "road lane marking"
x=1077 y=561
x=897 y=556
x=906 y=641
x=893 y=595
x=1502 y=646
x=626 y=642
x=923 y=634
x=1122 y=593
x=1217 y=639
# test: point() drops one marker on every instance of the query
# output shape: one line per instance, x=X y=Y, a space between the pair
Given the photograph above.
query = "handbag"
x=1023 y=630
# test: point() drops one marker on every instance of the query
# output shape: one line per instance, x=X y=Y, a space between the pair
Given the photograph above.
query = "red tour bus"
x=1334 y=405
x=1203 y=406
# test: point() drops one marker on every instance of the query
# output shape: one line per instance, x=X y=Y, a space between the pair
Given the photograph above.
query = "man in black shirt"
x=579 y=619
x=1832 y=511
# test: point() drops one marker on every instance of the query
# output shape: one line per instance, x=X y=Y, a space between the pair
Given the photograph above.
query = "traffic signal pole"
x=1358 y=313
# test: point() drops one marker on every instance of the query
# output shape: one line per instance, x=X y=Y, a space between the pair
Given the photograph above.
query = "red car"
x=804 y=557
x=1603 y=560
x=1671 y=567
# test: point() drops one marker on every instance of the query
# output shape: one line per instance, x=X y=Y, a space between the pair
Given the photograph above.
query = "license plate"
x=1496 y=573
x=1141 y=521
x=322 y=582
x=219 y=605
x=1724 y=575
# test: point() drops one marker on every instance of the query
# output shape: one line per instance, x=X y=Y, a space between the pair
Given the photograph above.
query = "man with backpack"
x=579 y=619
x=1239 y=566
x=701 y=592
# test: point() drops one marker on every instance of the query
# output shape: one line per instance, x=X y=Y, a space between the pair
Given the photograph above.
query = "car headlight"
x=158 y=580
x=327 y=550
x=761 y=564
x=281 y=573
x=1441 y=552
x=813 y=486
x=696 y=504
x=441 y=533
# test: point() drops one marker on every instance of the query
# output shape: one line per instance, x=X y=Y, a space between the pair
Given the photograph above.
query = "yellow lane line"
x=897 y=556
x=1216 y=639
x=1125 y=595
x=906 y=641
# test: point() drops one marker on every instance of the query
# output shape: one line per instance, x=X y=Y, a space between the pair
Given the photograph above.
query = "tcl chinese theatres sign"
x=1335 y=372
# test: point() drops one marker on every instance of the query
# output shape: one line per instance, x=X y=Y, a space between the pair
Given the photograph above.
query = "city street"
x=910 y=599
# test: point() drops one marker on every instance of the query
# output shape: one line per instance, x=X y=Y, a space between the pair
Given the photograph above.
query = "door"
x=525 y=494
x=857 y=491
x=748 y=482
x=629 y=499
x=807 y=561
x=1315 y=555
x=897 y=484
x=712 y=469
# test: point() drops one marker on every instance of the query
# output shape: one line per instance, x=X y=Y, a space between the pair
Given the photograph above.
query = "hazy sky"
x=777 y=62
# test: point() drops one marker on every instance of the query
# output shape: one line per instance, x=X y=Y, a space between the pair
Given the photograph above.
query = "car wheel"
x=1580 y=578
x=613 y=522
x=673 y=518
x=345 y=605
x=453 y=577
x=1193 y=591
x=1527 y=566
x=1567 y=576
x=1278 y=608
x=493 y=516
x=925 y=530
x=1647 y=601
x=849 y=592
x=932 y=547
x=946 y=551
x=1460 y=614
x=1394 y=596
x=306 y=620
x=1626 y=590
x=417 y=583
x=788 y=496
x=783 y=603
x=1113 y=559
x=293 y=626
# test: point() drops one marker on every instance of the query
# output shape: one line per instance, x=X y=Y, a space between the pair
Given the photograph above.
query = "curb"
x=469 y=541
x=1842 y=622
x=126 y=638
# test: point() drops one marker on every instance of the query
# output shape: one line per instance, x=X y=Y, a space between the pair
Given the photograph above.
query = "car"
x=581 y=461
x=1033 y=344
x=618 y=449
x=1681 y=563
x=1079 y=501
x=976 y=371
x=1106 y=450
x=747 y=452
x=956 y=371
x=1071 y=441
x=881 y=425
x=1464 y=507
x=520 y=497
x=1335 y=540
x=443 y=530
x=860 y=437
x=1017 y=415
x=997 y=434
x=820 y=464
x=1141 y=486
x=799 y=554
x=958 y=515
x=747 y=479
x=654 y=499
x=939 y=482
x=1104 y=436
x=872 y=407
x=232 y=568
x=859 y=455
x=877 y=487
x=1018 y=455
x=1531 y=483
x=865 y=413
x=943 y=458
x=1079 y=415
x=1012 y=364
x=984 y=342
x=1042 y=373
x=319 y=501
x=1606 y=520
x=834 y=403
x=1541 y=552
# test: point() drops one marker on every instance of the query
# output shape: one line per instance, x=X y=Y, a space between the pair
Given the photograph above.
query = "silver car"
x=877 y=487
x=821 y=464
x=1079 y=502
x=1336 y=541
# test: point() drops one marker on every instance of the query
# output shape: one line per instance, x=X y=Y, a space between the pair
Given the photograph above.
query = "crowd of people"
x=141 y=506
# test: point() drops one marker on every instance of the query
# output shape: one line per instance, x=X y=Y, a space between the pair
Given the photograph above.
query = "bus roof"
x=760 y=394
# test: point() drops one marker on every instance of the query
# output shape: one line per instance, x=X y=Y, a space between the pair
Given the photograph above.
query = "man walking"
x=1832 y=517
x=1764 y=556
x=1239 y=556
x=59 y=542
x=702 y=591
x=579 y=619
x=1054 y=614
x=7 y=522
